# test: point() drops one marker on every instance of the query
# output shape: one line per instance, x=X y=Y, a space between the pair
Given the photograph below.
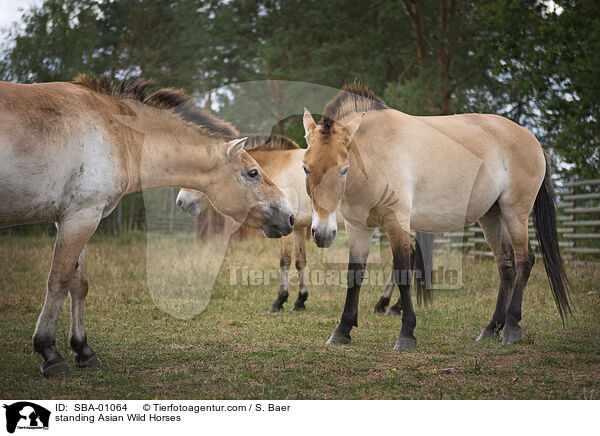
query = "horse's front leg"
x=84 y=355
x=73 y=234
x=359 y=240
x=284 y=274
x=403 y=264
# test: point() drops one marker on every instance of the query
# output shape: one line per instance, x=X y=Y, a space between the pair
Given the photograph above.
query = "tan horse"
x=281 y=159
x=384 y=168
x=70 y=151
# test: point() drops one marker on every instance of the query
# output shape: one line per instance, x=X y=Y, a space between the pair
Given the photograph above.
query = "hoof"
x=511 y=335
x=486 y=333
x=405 y=344
x=393 y=312
x=54 y=368
x=275 y=308
x=90 y=361
x=298 y=307
x=338 y=339
x=379 y=309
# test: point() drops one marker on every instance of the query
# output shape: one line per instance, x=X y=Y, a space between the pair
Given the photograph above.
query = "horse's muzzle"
x=279 y=220
x=323 y=238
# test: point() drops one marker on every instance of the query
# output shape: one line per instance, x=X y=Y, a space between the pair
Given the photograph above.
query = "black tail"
x=423 y=267
x=544 y=219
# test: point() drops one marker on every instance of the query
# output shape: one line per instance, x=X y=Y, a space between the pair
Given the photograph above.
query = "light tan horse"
x=384 y=168
x=280 y=158
x=70 y=151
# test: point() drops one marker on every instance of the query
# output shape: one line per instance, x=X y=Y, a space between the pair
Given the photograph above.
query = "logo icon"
x=26 y=415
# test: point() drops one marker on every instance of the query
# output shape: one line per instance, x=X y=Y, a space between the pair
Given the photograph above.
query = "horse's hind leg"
x=284 y=271
x=84 y=355
x=384 y=300
x=524 y=259
x=497 y=237
x=73 y=233
x=300 y=246
x=403 y=264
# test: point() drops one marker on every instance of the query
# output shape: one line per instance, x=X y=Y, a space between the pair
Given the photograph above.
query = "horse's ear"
x=308 y=121
x=234 y=146
x=353 y=125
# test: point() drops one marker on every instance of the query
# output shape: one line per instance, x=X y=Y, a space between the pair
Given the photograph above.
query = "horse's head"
x=326 y=164
x=242 y=190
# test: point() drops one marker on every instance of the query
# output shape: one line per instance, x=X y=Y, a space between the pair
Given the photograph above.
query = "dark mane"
x=181 y=103
x=128 y=89
x=352 y=98
x=265 y=142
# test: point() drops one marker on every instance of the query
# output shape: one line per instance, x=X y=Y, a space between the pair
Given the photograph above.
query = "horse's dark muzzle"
x=279 y=222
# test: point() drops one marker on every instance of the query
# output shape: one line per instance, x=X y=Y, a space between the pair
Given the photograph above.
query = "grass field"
x=235 y=349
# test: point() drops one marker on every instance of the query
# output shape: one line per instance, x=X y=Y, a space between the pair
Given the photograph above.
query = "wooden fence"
x=578 y=225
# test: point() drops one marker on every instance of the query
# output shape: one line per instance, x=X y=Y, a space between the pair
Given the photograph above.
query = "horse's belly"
x=13 y=213
x=26 y=195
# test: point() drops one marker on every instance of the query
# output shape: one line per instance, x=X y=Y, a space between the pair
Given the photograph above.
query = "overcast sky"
x=9 y=10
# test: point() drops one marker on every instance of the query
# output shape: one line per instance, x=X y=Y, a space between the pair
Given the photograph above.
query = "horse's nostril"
x=179 y=203
x=292 y=220
x=312 y=232
x=334 y=233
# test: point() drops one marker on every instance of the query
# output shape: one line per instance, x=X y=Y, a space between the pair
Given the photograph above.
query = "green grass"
x=235 y=349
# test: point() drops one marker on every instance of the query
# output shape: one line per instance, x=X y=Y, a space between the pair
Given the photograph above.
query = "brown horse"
x=387 y=169
x=70 y=151
x=281 y=158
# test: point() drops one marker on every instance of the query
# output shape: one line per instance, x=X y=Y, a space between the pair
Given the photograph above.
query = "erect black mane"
x=352 y=98
x=166 y=98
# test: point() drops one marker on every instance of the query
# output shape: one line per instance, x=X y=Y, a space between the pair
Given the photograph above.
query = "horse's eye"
x=253 y=173
x=344 y=171
x=306 y=171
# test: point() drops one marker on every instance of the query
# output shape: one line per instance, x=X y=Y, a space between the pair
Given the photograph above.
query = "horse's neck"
x=171 y=154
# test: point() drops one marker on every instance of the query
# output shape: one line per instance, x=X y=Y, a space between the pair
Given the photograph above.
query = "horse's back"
x=451 y=169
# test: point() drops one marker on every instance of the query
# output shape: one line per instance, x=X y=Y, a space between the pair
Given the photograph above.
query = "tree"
x=157 y=39
x=545 y=58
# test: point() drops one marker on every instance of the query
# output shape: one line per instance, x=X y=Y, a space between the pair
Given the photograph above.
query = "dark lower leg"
x=384 y=300
x=409 y=319
x=512 y=331
x=300 y=267
x=44 y=338
x=84 y=355
x=403 y=277
x=284 y=283
x=507 y=280
x=403 y=263
x=350 y=314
